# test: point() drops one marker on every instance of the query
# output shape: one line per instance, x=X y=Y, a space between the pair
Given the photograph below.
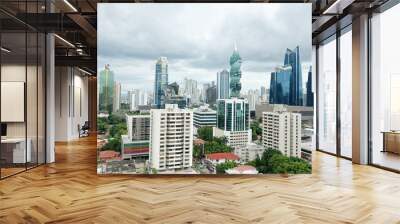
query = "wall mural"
x=204 y=89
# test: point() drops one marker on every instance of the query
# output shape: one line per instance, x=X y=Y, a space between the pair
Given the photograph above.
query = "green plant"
x=225 y=166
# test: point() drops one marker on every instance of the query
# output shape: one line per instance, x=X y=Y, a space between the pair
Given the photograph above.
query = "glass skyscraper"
x=233 y=114
x=235 y=74
x=280 y=85
x=223 y=84
x=106 y=90
x=286 y=85
x=161 y=82
x=310 y=94
x=292 y=58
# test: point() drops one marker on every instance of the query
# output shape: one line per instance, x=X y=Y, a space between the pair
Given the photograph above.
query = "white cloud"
x=198 y=39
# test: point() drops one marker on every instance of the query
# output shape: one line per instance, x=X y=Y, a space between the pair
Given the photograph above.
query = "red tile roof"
x=245 y=168
x=199 y=141
x=222 y=155
x=108 y=154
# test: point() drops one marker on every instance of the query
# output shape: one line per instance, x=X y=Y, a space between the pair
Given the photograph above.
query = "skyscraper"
x=161 y=81
x=190 y=90
x=136 y=98
x=310 y=94
x=235 y=62
x=204 y=91
x=223 y=84
x=106 y=90
x=280 y=85
x=292 y=58
x=117 y=97
x=211 y=95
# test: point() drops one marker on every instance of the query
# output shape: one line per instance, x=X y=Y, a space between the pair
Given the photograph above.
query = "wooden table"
x=391 y=141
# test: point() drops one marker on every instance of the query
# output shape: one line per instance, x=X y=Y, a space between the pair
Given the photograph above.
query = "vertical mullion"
x=338 y=73
x=317 y=96
x=0 y=93
x=369 y=79
x=37 y=90
x=26 y=86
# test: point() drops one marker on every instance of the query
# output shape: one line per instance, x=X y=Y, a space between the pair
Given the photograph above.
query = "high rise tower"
x=235 y=74
x=310 y=94
x=223 y=84
x=292 y=58
x=106 y=90
x=161 y=82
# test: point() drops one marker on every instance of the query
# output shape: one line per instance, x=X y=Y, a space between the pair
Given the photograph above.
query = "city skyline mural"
x=204 y=89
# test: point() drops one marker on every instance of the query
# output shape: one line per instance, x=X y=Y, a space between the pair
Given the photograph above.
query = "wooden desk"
x=13 y=150
x=391 y=141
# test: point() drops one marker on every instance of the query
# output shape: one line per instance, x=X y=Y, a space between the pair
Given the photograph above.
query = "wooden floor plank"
x=70 y=191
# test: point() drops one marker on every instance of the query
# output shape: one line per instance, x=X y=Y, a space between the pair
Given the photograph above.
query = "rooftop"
x=223 y=155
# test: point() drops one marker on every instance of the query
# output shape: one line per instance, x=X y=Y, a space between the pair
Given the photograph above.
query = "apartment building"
x=281 y=130
x=171 y=138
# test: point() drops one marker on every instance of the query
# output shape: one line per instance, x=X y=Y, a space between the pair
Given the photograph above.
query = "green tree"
x=117 y=130
x=101 y=124
x=255 y=129
x=225 y=166
x=272 y=161
x=205 y=133
x=113 y=144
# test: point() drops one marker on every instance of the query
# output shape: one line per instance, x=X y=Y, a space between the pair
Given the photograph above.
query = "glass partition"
x=22 y=77
x=13 y=92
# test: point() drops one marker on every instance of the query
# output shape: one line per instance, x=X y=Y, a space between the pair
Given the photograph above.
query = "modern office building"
x=171 y=138
x=181 y=101
x=136 y=143
x=233 y=121
x=204 y=117
x=106 y=90
x=281 y=131
x=223 y=84
x=161 y=82
x=233 y=114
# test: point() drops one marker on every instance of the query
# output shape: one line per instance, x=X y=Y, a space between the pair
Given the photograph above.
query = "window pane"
x=385 y=86
x=346 y=94
x=327 y=96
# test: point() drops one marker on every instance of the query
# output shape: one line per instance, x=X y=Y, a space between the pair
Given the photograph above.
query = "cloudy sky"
x=198 y=40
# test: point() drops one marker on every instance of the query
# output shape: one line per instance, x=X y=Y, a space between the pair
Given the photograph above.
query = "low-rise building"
x=136 y=143
x=235 y=139
x=243 y=169
x=218 y=158
x=249 y=152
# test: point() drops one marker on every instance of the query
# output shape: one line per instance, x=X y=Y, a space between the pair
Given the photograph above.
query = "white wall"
x=71 y=102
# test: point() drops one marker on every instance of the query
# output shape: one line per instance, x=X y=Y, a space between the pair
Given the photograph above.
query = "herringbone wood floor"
x=69 y=191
